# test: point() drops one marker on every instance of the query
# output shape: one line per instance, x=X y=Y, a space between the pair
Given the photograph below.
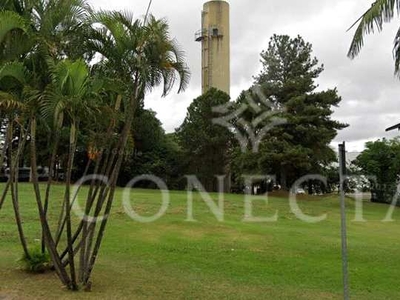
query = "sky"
x=369 y=89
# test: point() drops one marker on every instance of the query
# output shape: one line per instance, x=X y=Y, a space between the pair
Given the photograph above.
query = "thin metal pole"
x=148 y=11
x=342 y=175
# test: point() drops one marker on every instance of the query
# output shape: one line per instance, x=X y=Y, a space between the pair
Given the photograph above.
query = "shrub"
x=38 y=262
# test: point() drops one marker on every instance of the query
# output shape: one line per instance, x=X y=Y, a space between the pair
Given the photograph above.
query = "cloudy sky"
x=370 y=92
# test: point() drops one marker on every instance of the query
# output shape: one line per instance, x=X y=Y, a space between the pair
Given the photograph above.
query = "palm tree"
x=70 y=97
x=21 y=101
x=380 y=12
x=12 y=80
x=139 y=56
x=53 y=28
x=12 y=27
x=58 y=87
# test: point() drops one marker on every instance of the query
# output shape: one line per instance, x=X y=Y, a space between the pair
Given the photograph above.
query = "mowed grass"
x=175 y=259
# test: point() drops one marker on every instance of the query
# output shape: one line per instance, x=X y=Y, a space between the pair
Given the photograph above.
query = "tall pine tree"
x=287 y=81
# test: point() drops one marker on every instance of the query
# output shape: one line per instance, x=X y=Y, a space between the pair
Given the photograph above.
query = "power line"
x=147 y=12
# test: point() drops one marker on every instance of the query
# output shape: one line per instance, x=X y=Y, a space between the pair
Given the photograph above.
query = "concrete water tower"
x=215 y=45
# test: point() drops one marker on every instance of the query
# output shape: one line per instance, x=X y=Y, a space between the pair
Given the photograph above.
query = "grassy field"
x=207 y=259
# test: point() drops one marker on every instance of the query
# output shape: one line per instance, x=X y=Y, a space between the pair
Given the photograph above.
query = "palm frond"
x=396 y=53
x=381 y=11
x=139 y=52
x=16 y=71
x=9 y=21
x=9 y=101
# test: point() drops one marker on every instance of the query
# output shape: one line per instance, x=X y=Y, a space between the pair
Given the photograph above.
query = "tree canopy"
x=205 y=145
x=381 y=159
x=300 y=143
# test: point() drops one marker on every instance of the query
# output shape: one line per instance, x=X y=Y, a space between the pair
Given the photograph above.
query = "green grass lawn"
x=207 y=259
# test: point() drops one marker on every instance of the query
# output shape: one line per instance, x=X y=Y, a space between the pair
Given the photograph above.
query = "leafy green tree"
x=173 y=158
x=381 y=159
x=286 y=89
x=205 y=145
x=154 y=152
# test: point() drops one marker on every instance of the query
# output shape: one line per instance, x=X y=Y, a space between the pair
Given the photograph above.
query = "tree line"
x=283 y=114
x=280 y=126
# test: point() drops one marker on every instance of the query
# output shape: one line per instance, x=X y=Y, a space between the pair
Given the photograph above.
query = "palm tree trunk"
x=96 y=186
x=50 y=180
x=73 y=135
x=101 y=190
x=4 y=194
x=62 y=218
x=15 y=202
x=55 y=258
x=103 y=194
x=14 y=173
x=83 y=226
x=6 y=144
x=113 y=181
